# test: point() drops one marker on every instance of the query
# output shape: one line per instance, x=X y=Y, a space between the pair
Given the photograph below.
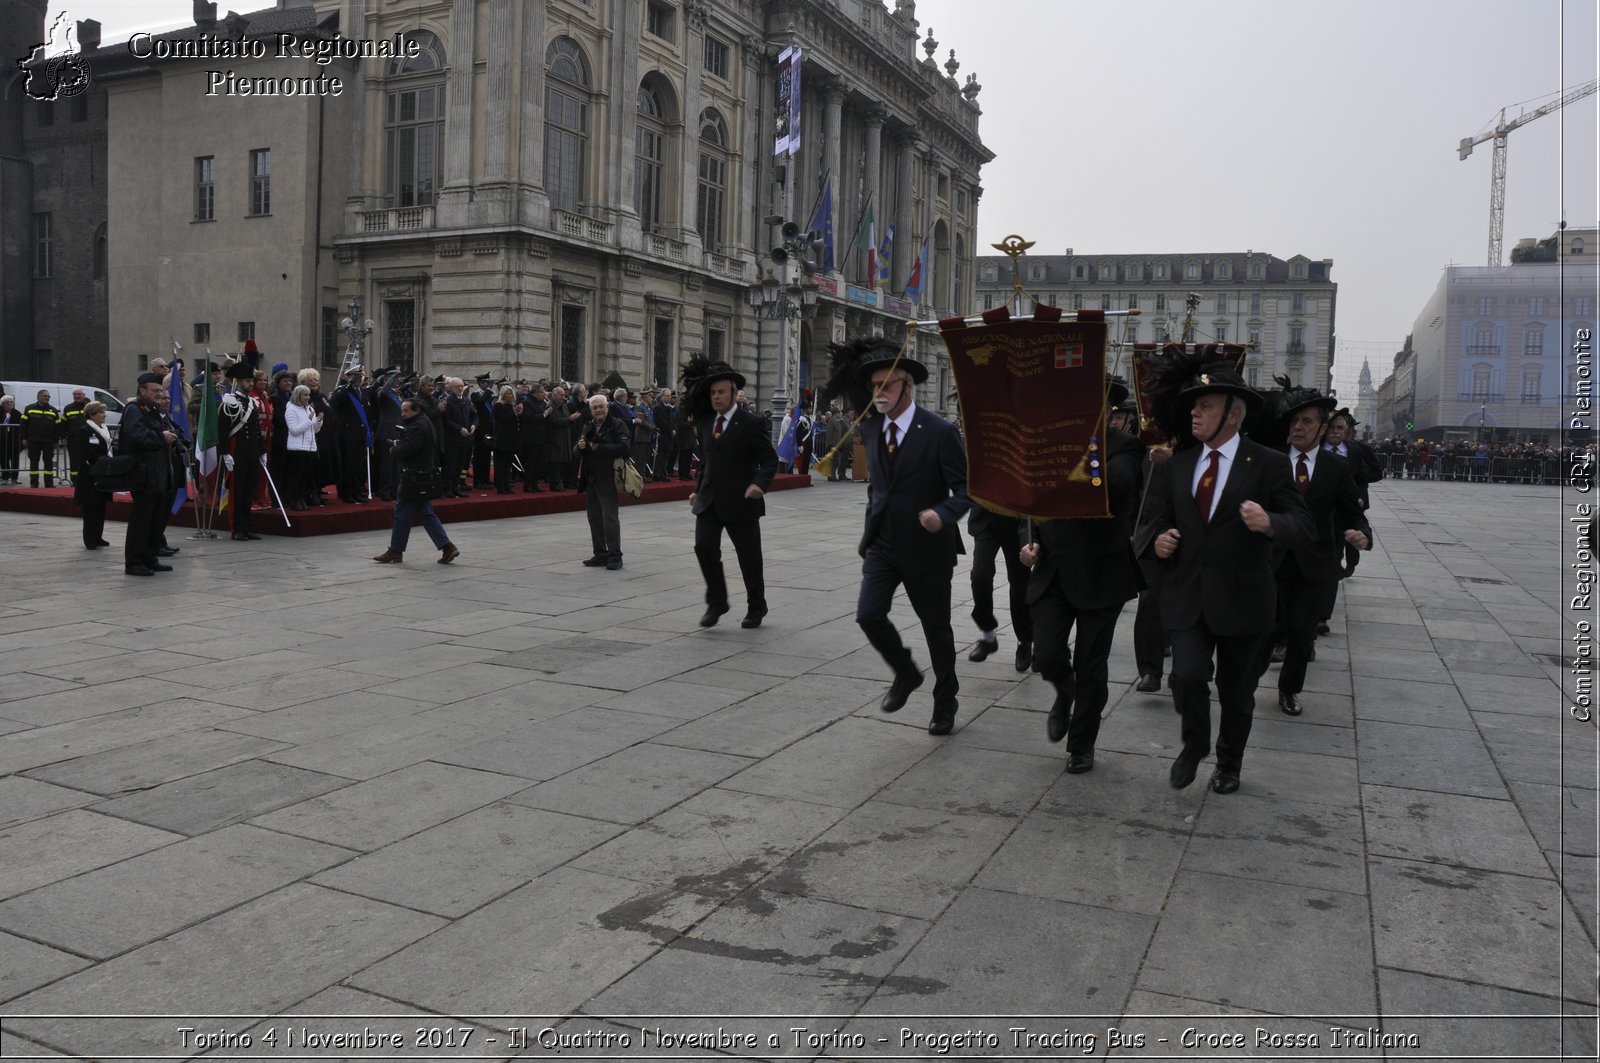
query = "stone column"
x=873 y=125
x=454 y=196
x=905 y=234
x=929 y=161
x=618 y=176
x=694 y=24
x=492 y=200
x=832 y=122
x=535 y=205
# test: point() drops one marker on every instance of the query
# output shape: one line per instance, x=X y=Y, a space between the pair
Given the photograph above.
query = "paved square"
x=516 y=792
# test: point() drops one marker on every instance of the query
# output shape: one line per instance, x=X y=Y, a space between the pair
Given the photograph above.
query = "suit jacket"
x=1091 y=558
x=1335 y=506
x=929 y=472
x=1222 y=571
x=608 y=441
x=744 y=456
x=1364 y=466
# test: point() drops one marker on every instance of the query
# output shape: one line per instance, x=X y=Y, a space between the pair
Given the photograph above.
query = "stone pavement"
x=438 y=806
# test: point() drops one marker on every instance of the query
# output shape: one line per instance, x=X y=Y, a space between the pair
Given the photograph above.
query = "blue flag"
x=178 y=412
x=788 y=447
x=822 y=222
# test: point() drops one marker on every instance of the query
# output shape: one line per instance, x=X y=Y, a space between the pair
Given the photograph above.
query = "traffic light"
x=1410 y=425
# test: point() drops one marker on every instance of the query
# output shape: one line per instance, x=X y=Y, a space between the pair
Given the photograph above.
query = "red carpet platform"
x=337 y=517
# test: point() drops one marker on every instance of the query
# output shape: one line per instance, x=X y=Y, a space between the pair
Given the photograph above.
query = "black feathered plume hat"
x=1294 y=399
x=1177 y=374
x=699 y=373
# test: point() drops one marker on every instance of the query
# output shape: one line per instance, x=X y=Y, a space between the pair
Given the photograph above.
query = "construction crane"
x=1497 y=174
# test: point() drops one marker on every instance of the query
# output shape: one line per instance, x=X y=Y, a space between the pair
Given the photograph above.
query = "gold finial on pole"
x=1014 y=247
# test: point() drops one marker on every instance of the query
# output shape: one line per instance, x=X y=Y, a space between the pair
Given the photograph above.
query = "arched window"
x=649 y=152
x=939 y=291
x=1577 y=247
x=566 y=123
x=413 y=124
x=712 y=201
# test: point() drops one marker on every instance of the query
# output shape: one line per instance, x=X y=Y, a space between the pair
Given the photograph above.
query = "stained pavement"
x=450 y=805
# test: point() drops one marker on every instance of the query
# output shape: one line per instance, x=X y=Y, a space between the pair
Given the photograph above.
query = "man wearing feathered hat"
x=916 y=499
x=736 y=469
x=1224 y=502
x=1308 y=574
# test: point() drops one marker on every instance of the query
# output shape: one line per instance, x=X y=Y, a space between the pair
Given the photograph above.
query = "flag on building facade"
x=822 y=222
x=884 y=261
x=919 y=270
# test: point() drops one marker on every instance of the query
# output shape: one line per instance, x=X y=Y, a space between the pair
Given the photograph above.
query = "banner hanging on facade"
x=788 y=102
x=1032 y=397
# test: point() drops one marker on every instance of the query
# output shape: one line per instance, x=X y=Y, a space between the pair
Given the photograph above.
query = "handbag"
x=424 y=486
x=629 y=479
x=122 y=472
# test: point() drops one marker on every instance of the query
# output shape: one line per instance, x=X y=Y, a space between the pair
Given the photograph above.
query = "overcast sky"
x=1328 y=130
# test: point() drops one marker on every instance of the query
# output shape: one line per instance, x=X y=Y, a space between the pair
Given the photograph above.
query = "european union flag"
x=822 y=221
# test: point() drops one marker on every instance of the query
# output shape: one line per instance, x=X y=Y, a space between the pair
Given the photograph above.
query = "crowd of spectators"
x=1480 y=462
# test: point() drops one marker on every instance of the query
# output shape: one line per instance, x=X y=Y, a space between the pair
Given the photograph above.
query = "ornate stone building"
x=561 y=188
x=1284 y=307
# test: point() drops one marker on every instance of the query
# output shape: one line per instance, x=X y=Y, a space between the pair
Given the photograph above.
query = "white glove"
x=263 y=460
x=227 y=462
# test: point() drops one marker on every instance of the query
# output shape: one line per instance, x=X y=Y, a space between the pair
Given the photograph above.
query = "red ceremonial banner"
x=1032 y=396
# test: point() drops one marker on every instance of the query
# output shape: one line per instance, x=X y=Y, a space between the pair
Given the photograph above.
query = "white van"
x=26 y=392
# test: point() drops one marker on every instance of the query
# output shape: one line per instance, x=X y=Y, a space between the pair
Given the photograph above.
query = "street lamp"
x=356 y=334
x=787 y=294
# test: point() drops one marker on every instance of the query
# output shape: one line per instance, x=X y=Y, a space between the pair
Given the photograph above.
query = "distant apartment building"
x=1282 y=308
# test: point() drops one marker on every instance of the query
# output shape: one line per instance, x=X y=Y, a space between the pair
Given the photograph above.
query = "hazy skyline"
x=1332 y=132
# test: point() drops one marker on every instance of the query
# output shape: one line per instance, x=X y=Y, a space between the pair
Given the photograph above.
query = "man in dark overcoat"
x=736 y=469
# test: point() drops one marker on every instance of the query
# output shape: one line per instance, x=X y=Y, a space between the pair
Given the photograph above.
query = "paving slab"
x=843 y=764
x=215 y=799
x=1427 y=758
x=1488 y=927
x=26 y=965
x=1274 y=839
x=464 y=864
x=116 y=908
x=1450 y=1018
x=1220 y=940
x=632 y=785
x=557 y=745
x=22 y=799
x=148 y=764
x=42 y=851
x=256 y=959
x=369 y=815
x=1448 y=829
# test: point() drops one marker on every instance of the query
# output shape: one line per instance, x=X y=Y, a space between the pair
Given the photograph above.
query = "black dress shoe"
x=102 y=542
x=900 y=691
x=156 y=566
x=1290 y=704
x=984 y=647
x=166 y=551
x=712 y=614
x=1024 y=656
x=614 y=565
x=1225 y=782
x=1183 y=769
x=137 y=570
x=944 y=718
x=596 y=561
x=1322 y=627
x=753 y=619
x=1055 y=725
x=1149 y=683
x=1078 y=763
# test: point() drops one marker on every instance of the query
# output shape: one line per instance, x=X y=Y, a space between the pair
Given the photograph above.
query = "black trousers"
x=605 y=527
x=457 y=459
x=36 y=452
x=666 y=457
x=1149 y=637
x=1300 y=606
x=532 y=466
x=480 y=463
x=984 y=547
x=685 y=462
x=1084 y=681
x=94 y=517
x=746 y=538
x=1240 y=660
x=502 y=470
x=881 y=576
x=353 y=467
x=246 y=479
x=144 y=527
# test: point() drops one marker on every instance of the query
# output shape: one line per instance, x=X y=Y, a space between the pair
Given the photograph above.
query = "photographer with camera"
x=417 y=452
x=602 y=440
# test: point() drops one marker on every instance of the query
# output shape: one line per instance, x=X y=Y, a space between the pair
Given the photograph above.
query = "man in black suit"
x=145 y=435
x=915 y=502
x=665 y=415
x=1223 y=502
x=1083 y=573
x=1367 y=470
x=1308 y=575
x=995 y=533
x=736 y=469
